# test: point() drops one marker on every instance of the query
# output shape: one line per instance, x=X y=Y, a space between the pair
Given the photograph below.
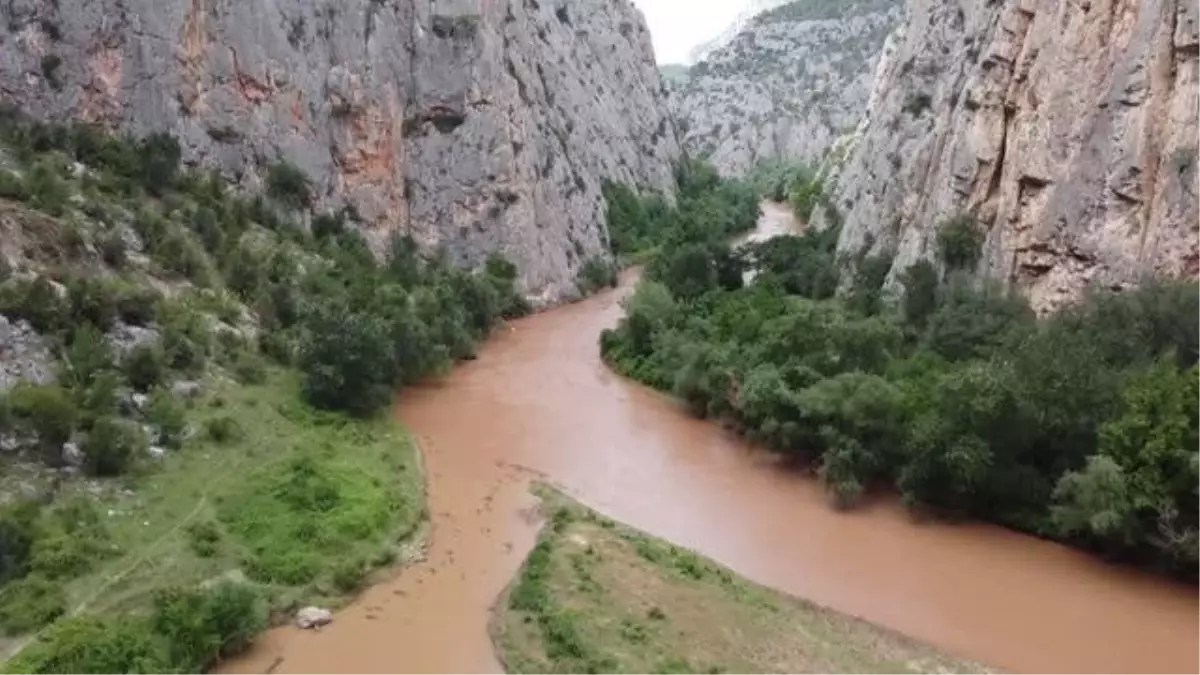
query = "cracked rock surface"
x=1069 y=129
x=474 y=125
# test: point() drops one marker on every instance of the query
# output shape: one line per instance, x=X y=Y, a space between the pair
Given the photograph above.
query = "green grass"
x=297 y=501
x=597 y=596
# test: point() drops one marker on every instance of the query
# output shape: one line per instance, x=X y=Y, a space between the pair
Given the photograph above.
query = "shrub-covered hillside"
x=189 y=383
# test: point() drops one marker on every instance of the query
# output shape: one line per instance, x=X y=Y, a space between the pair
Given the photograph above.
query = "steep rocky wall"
x=787 y=85
x=475 y=125
x=1069 y=129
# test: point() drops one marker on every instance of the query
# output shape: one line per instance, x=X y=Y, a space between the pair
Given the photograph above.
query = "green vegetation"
x=1080 y=426
x=708 y=209
x=800 y=185
x=188 y=631
x=205 y=461
x=595 y=596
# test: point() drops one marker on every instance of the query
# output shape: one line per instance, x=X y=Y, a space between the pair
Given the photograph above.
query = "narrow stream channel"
x=539 y=403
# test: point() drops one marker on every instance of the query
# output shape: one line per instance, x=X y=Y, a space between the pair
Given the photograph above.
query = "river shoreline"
x=539 y=404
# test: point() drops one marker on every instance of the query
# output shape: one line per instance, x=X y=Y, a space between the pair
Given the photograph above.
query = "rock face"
x=24 y=355
x=474 y=125
x=1068 y=129
x=788 y=85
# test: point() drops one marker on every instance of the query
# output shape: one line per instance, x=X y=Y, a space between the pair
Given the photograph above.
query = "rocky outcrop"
x=792 y=81
x=474 y=125
x=1068 y=129
x=24 y=355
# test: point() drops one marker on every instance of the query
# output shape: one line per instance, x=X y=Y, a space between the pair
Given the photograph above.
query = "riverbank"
x=598 y=596
x=308 y=507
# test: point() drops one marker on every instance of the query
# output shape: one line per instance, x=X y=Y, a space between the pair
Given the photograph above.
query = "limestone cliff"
x=1068 y=129
x=792 y=81
x=475 y=125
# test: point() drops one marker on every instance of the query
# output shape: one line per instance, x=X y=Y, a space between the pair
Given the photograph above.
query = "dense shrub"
x=47 y=190
x=95 y=645
x=960 y=242
x=347 y=360
x=12 y=186
x=288 y=185
x=168 y=416
x=36 y=301
x=30 y=603
x=112 y=444
x=596 y=274
x=17 y=536
x=202 y=626
x=49 y=411
x=145 y=367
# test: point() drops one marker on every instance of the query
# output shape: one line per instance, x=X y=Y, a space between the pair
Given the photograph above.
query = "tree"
x=347 y=360
x=920 y=282
x=960 y=242
x=288 y=185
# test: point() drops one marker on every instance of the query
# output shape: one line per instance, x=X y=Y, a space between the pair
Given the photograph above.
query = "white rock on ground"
x=313 y=617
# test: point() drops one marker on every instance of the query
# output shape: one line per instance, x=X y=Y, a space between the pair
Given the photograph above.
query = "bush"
x=202 y=626
x=35 y=301
x=168 y=416
x=288 y=185
x=50 y=65
x=249 y=369
x=158 y=156
x=204 y=538
x=595 y=274
x=960 y=242
x=112 y=444
x=93 y=301
x=145 y=367
x=47 y=190
x=17 y=535
x=95 y=645
x=12 y=186
x=86 y=358
x=920 y=282
x=223 y=429
x=30 y=603
x=178 y=253
x=348 y=576
x=138 y=305
x=347 y=361
x=70 y=542
x=113 y=250
x=49 y=410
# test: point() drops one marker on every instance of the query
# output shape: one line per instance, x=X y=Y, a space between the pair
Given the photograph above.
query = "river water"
x=539 y=403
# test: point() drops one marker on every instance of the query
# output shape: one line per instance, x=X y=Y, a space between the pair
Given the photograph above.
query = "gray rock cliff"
x=1067 y=129
x=792 y=81
x=474 y=125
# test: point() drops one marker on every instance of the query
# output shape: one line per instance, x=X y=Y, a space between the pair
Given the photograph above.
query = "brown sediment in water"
x=540 y=403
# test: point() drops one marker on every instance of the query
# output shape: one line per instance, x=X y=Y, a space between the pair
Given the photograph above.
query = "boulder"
x=313 y=617
x=72 y=455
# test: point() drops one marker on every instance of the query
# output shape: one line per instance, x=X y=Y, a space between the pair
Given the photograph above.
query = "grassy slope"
x=597 y=596
x=237 y=488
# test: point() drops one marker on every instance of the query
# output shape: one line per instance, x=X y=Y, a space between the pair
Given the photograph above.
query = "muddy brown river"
x=539 y=403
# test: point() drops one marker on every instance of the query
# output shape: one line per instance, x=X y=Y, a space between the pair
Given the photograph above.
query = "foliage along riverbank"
x=196 y=438
x=1080 y=426
x=597 y=596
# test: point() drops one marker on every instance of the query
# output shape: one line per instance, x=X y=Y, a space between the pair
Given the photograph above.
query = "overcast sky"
x=679 y=25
